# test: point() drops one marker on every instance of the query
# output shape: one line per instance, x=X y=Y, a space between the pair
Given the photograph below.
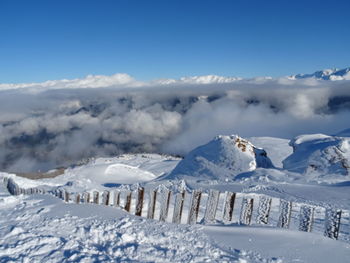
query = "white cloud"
x=53 y=123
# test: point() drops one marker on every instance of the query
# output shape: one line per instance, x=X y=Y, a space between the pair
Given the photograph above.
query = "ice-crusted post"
x=306 y=218
x=285 y=213
x=77 y=198
x=332 y=223
x=212 y=205
x=116 y=201
x=105 y=196
x=87 y=197
x=194 y=207
x=96 y=197
x=263 y=210
x=66 y=196
x=127 y=201
x=246 y=211
x=152 y=204
x=179 y=204
x=139 y=201
x=228 y=206
x=164 y=204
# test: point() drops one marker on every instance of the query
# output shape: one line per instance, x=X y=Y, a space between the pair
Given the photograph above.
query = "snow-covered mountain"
x=221 y=159
x=319 y=155
x=327 y=74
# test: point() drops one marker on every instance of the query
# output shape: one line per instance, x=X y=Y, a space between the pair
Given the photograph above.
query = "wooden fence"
x=182 y=206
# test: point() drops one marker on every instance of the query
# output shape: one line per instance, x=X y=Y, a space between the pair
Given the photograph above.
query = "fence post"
x=139 y=202
x=212 y=205
x=285 y=213
x=66 y=196
x=77 y=198
x=87 y=197
x=246 y=211
x=263 y=210
x=179 y=203
x=194 y=207
x=105 y=197
x=127 y=201
x=96 y=197
x=228 y=206
x=152 y=204
x=116 y=198
x=164 y=205
x=306 y=218
x=332 y=223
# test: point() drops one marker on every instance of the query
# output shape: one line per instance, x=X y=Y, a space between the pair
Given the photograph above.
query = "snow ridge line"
x=290 y=215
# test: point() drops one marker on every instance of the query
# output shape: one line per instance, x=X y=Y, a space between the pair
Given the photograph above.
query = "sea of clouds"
x=57 y=123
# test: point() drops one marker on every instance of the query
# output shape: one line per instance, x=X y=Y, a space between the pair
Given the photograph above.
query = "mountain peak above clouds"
x=326 y=74
x=220 y=159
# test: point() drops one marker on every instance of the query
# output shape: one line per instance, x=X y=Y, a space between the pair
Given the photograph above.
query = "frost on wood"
x=332 y=223
x=306 y=218
x=96 y=197
x=152 y=204
x=179 y=203
x=116 y=198
x=285 y=212
x=212 y=205
x=263 y=210
x=139 y=201
x=77 y=198
x=86 y=197
x=246 y=211
x=106 y=195
x=228 y=206
x=66 y=196
x=194 y=207
x=164 y=204
x=127 y=201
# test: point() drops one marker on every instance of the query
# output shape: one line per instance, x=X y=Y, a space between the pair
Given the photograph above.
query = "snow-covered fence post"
x=96 y=197
x=285 y=213
x=66 y=196
x=246 y=211
x=127 y=201
x=179 y=204
x=105 y=197
x=332 y=223
x=228 y=206
x=116 y=198
x=61 y=192
x=152 y=204
x=87 y=197
x=194 y=207
x=164 y=204
x=263 y=210
x=306 y=218
x=212 y=205
x=139 y=201
x=77 y=198
x=5 y=181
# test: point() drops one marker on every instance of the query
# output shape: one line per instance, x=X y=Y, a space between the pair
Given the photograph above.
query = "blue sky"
x=41 y=40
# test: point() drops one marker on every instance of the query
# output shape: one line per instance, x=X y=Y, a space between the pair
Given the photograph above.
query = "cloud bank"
x=57 y=123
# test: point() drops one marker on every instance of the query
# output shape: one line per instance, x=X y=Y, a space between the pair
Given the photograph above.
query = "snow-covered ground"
x=42 y=228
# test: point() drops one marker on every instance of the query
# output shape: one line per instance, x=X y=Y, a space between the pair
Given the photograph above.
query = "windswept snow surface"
x=41 y=228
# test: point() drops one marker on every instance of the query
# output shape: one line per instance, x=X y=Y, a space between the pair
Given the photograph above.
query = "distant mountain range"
x=327 y=74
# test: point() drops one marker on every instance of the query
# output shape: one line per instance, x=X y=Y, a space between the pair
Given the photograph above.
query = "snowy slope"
x=277 y=149
x=327 y=74
x=103 y=173
x=221 y=159
x=319 y=155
